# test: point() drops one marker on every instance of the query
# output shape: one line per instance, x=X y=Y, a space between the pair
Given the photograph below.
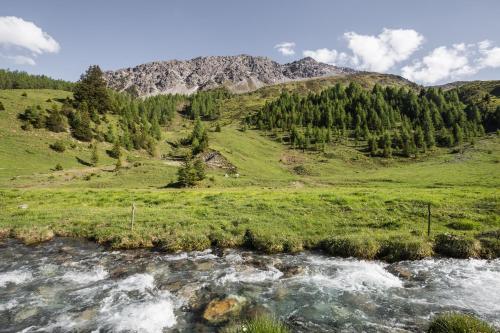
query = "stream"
x=69 y=285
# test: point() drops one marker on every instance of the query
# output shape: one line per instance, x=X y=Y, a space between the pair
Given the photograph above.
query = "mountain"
x=241 y=73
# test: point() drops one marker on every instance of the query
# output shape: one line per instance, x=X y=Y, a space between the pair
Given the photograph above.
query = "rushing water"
x=68 y=285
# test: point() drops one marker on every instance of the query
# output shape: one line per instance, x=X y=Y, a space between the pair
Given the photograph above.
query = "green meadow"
x=280 y=200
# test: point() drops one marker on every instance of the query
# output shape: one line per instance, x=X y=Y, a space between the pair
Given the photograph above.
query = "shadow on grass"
x=83 y=161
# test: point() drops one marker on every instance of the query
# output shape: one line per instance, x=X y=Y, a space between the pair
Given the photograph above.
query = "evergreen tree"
x=94 y=157
x=198 y=138
x=187 y=174
x=80 y=125
x=56 y=122
x=199 y=168
x=115 y=152
x=92 y=90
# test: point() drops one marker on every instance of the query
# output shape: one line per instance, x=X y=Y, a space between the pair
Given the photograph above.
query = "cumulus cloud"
x=18 y=35
x=327 y=56
x=441 y=63
x=489 y=56
x=380 y=53
x=286 y=48
x=453 y=62
x=20 y=60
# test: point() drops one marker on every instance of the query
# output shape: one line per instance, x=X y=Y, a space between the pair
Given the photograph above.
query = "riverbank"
x=387 y=223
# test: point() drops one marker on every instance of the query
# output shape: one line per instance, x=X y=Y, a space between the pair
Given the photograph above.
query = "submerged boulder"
x=221 y=310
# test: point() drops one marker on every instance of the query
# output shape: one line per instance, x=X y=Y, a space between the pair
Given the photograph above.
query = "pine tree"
x=92 y=90
x=115 y=152
x=56 y=122
x=94 y=158
x=187 y=174
x=199 y=168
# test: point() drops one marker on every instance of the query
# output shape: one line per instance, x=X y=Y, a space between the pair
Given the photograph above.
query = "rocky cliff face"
x=240 y=73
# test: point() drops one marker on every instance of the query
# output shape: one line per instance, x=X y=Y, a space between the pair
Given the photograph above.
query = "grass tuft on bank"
x=459 y=323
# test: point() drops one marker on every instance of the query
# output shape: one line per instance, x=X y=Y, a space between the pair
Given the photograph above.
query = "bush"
x=457 y=246
x=405 y=249
x=58 y=167
x=24 y=94
x=56 y=122
x=58 y=146
x=1 y=106
x=345 y=246
x=458 y=323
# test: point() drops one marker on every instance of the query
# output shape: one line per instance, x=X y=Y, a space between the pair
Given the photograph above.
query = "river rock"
x=25 y=314
x=221 y=310
x=400 y=271
x=118 y=272
x=289 y=270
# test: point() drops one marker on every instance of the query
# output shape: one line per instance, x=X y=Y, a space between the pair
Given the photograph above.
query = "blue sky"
x=426 y=41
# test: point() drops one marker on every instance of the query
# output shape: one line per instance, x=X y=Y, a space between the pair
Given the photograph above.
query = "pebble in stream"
x=69 y=285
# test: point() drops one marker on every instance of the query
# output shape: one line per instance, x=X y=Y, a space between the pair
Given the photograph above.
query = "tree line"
x=23 y=80
x=388 y=119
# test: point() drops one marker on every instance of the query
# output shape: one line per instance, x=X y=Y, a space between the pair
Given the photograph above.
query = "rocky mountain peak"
x=240 y=73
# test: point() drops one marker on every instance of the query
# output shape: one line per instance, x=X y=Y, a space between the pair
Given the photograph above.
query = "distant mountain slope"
x=241 y=73
x=476 y=90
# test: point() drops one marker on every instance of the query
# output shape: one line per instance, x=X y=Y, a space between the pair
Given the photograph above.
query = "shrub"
x=58 y=167
x=457 y=246
x=58 y=146
x=56 y=122
x=24 y=94
x=405 y=249
x=345 y=246
x=458 y=323
x=1 y=106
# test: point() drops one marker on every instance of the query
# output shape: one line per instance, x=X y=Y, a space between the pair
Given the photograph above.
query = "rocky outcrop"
x=241 y=73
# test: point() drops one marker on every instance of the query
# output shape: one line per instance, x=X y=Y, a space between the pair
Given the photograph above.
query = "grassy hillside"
x=279 y=199
x=477 y=90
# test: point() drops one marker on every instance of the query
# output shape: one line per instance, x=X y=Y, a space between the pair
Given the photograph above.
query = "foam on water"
x=352 y=275
x=15 y=277
x=148 y=317
x=250 y=275
x=84 y=277
x=139 y=282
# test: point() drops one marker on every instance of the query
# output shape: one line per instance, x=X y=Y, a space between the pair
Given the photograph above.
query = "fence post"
x=132 y=217
x=428 y=219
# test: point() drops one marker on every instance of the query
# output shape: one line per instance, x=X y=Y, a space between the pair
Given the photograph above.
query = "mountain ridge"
x=240 y=73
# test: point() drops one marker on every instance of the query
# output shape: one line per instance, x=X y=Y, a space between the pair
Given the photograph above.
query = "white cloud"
x=490 y=56
x=20 y=59
x=453 y=62
x=380 y=53
x=20 y=36
x=441 y=63
x=286 y=48
x=327 y=56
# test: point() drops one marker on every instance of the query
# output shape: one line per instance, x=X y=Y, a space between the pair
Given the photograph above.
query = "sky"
x=430 y=42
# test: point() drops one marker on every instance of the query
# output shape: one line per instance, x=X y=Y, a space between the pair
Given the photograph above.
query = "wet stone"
x=221 y=310
x=289 y=270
